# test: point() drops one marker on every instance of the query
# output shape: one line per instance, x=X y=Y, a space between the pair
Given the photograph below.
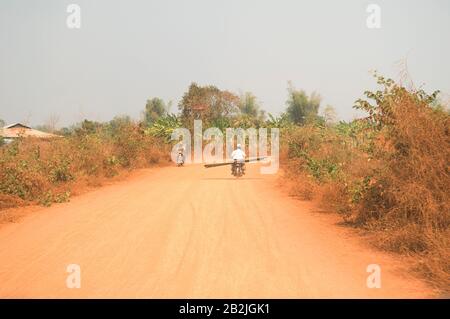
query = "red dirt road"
x=192 y=232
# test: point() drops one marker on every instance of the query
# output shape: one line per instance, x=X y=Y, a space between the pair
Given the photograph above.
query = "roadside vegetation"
x=387 y=173
x=47 y=171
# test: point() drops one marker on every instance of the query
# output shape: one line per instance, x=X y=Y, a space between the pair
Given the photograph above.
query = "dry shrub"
x=435 y=265
x=413 y=186
x=410 y=196
x=406 y=239
x=332 y=197
x=302 y=187
x=388 y=173
x=9 y=201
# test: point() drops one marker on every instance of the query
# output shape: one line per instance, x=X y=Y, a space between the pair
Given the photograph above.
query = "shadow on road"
x=230 y=178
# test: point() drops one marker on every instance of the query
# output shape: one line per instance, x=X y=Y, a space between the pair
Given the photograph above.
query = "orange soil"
x=192 y=232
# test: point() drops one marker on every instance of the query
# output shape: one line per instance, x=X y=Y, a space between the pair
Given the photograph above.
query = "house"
x=16 y=130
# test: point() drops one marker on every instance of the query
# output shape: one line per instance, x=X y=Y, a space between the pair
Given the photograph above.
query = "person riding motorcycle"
x=238 y=156
x=180 y=156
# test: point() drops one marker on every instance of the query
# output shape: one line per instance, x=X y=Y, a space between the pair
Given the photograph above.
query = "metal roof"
x=16 y=124
x=19 y=130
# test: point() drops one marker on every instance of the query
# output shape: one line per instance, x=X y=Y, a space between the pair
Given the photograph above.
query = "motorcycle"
x=237 y=169
x=180 y=159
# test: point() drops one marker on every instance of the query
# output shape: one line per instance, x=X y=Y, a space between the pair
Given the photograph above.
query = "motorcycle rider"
x=238 y=155
x=180 y=156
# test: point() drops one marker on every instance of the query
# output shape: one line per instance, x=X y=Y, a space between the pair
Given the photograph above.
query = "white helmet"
x=239 y=146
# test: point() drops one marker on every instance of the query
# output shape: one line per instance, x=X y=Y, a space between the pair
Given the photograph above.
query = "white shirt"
x=238 y=155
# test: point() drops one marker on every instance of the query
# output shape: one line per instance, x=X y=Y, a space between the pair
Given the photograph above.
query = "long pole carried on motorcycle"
x=231 y=163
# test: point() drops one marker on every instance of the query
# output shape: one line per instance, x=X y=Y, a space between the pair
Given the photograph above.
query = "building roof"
x=20 y=130
x=17 y=125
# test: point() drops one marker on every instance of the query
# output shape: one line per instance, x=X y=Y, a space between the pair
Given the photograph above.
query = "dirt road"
x=192 y=232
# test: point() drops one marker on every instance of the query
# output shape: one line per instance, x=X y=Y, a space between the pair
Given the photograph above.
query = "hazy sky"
x=127 y=51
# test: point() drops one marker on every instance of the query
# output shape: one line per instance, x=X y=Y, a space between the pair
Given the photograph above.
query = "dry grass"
x=390 y=177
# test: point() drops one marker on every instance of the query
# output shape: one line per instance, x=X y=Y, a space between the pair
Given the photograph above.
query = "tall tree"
x=154 y=109
x=302 y=108
x=208 y=103
x=248 y=105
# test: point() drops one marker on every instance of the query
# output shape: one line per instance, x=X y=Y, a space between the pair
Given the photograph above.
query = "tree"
x=65 y=131
x=154 y=109
x=249 y=107
x=87 y=127
x=208 y=103
x=302 y=109
x=118 y=123
x=281 y=121
x=164 y=126
x=329 y=115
